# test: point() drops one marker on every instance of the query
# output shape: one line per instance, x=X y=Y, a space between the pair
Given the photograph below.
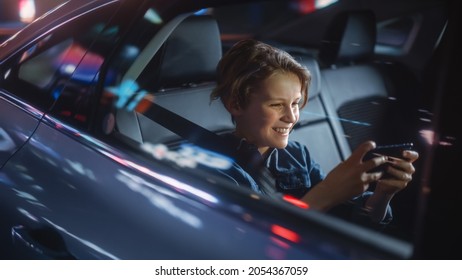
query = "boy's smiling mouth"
x=282 y=130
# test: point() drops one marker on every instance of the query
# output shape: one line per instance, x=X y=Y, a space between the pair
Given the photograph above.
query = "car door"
x=46 y=76
x=67 y=194
x=18 y=121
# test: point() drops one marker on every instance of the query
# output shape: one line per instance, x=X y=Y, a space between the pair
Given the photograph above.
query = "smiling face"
x=272 y=112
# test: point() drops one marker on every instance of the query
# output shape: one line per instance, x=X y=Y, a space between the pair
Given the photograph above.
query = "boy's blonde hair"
x=247 y=64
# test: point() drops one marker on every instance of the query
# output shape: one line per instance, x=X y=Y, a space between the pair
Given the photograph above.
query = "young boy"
x=263 y=88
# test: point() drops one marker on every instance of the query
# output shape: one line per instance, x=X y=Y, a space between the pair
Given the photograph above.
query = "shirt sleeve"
x=361 y=215
x=315 y=172
x=354 y=209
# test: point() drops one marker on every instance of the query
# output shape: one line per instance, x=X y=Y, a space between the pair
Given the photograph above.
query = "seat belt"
x=250 y=160
x=189 y=130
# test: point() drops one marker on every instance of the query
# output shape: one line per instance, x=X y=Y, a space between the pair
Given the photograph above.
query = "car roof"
x=74 y=8
x=57 y=16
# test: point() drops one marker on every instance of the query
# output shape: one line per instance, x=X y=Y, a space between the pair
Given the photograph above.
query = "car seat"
x=371 y=99
x=181 y=75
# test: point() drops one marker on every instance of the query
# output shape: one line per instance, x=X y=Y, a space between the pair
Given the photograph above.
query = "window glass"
x=55 y=73
x=40 y=70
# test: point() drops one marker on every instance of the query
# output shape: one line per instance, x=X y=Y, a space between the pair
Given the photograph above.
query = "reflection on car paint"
x=27 y=214
x=185 y=188
x=285 y=233
x=162 y=202
x=188 y=156
x=83 y=241
x=29 y=198
x=295 y=201
x=6 y=143
x=44 y=152
x=79 y=168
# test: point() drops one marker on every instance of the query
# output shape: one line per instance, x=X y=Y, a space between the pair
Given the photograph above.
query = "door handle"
x=41 y=243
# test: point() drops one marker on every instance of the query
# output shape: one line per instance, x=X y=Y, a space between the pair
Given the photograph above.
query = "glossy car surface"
x=88 y=170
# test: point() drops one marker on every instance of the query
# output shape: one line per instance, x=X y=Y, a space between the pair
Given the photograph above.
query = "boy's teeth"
x=281 y=130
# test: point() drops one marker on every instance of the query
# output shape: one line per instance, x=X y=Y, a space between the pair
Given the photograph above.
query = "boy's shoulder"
x=295 y=145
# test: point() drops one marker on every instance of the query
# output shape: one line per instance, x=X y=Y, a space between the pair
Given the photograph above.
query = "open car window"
x=155 y=67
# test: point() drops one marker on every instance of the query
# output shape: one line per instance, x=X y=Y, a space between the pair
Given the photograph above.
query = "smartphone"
x=394 y=150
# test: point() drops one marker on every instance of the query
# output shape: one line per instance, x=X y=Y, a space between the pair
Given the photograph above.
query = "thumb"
x=358 y=154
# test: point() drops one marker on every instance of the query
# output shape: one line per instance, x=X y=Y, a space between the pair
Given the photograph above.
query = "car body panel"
x=14 y=134
x=70 y=194
x=164 y=218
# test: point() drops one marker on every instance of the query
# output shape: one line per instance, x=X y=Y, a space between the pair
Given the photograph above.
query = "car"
x=108 y=139
x=15 y=14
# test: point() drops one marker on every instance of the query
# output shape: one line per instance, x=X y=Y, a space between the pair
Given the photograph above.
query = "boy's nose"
x=290 y=115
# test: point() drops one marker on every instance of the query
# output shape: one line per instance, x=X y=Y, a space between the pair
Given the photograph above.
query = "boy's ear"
x=234 y=108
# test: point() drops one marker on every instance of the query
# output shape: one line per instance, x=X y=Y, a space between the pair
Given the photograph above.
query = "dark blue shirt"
x=295 y=172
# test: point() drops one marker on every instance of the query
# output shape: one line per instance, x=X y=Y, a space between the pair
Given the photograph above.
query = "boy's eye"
x=296 y=103
x=276 y=105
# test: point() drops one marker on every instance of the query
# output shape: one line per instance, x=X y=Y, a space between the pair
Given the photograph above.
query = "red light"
x=27 y=10
x=280 y=243
x=285 y=233
x=295 y=201
x=306 y=6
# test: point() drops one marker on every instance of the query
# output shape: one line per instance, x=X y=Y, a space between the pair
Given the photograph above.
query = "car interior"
x=367 y=84
x=352 y=98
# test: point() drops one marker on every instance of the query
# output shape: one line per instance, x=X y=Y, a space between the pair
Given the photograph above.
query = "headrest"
x=312 y=64
x=191 y=53
x=349 y=38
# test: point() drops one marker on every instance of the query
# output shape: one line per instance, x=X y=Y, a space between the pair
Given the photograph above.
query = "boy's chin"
x=281 y=145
